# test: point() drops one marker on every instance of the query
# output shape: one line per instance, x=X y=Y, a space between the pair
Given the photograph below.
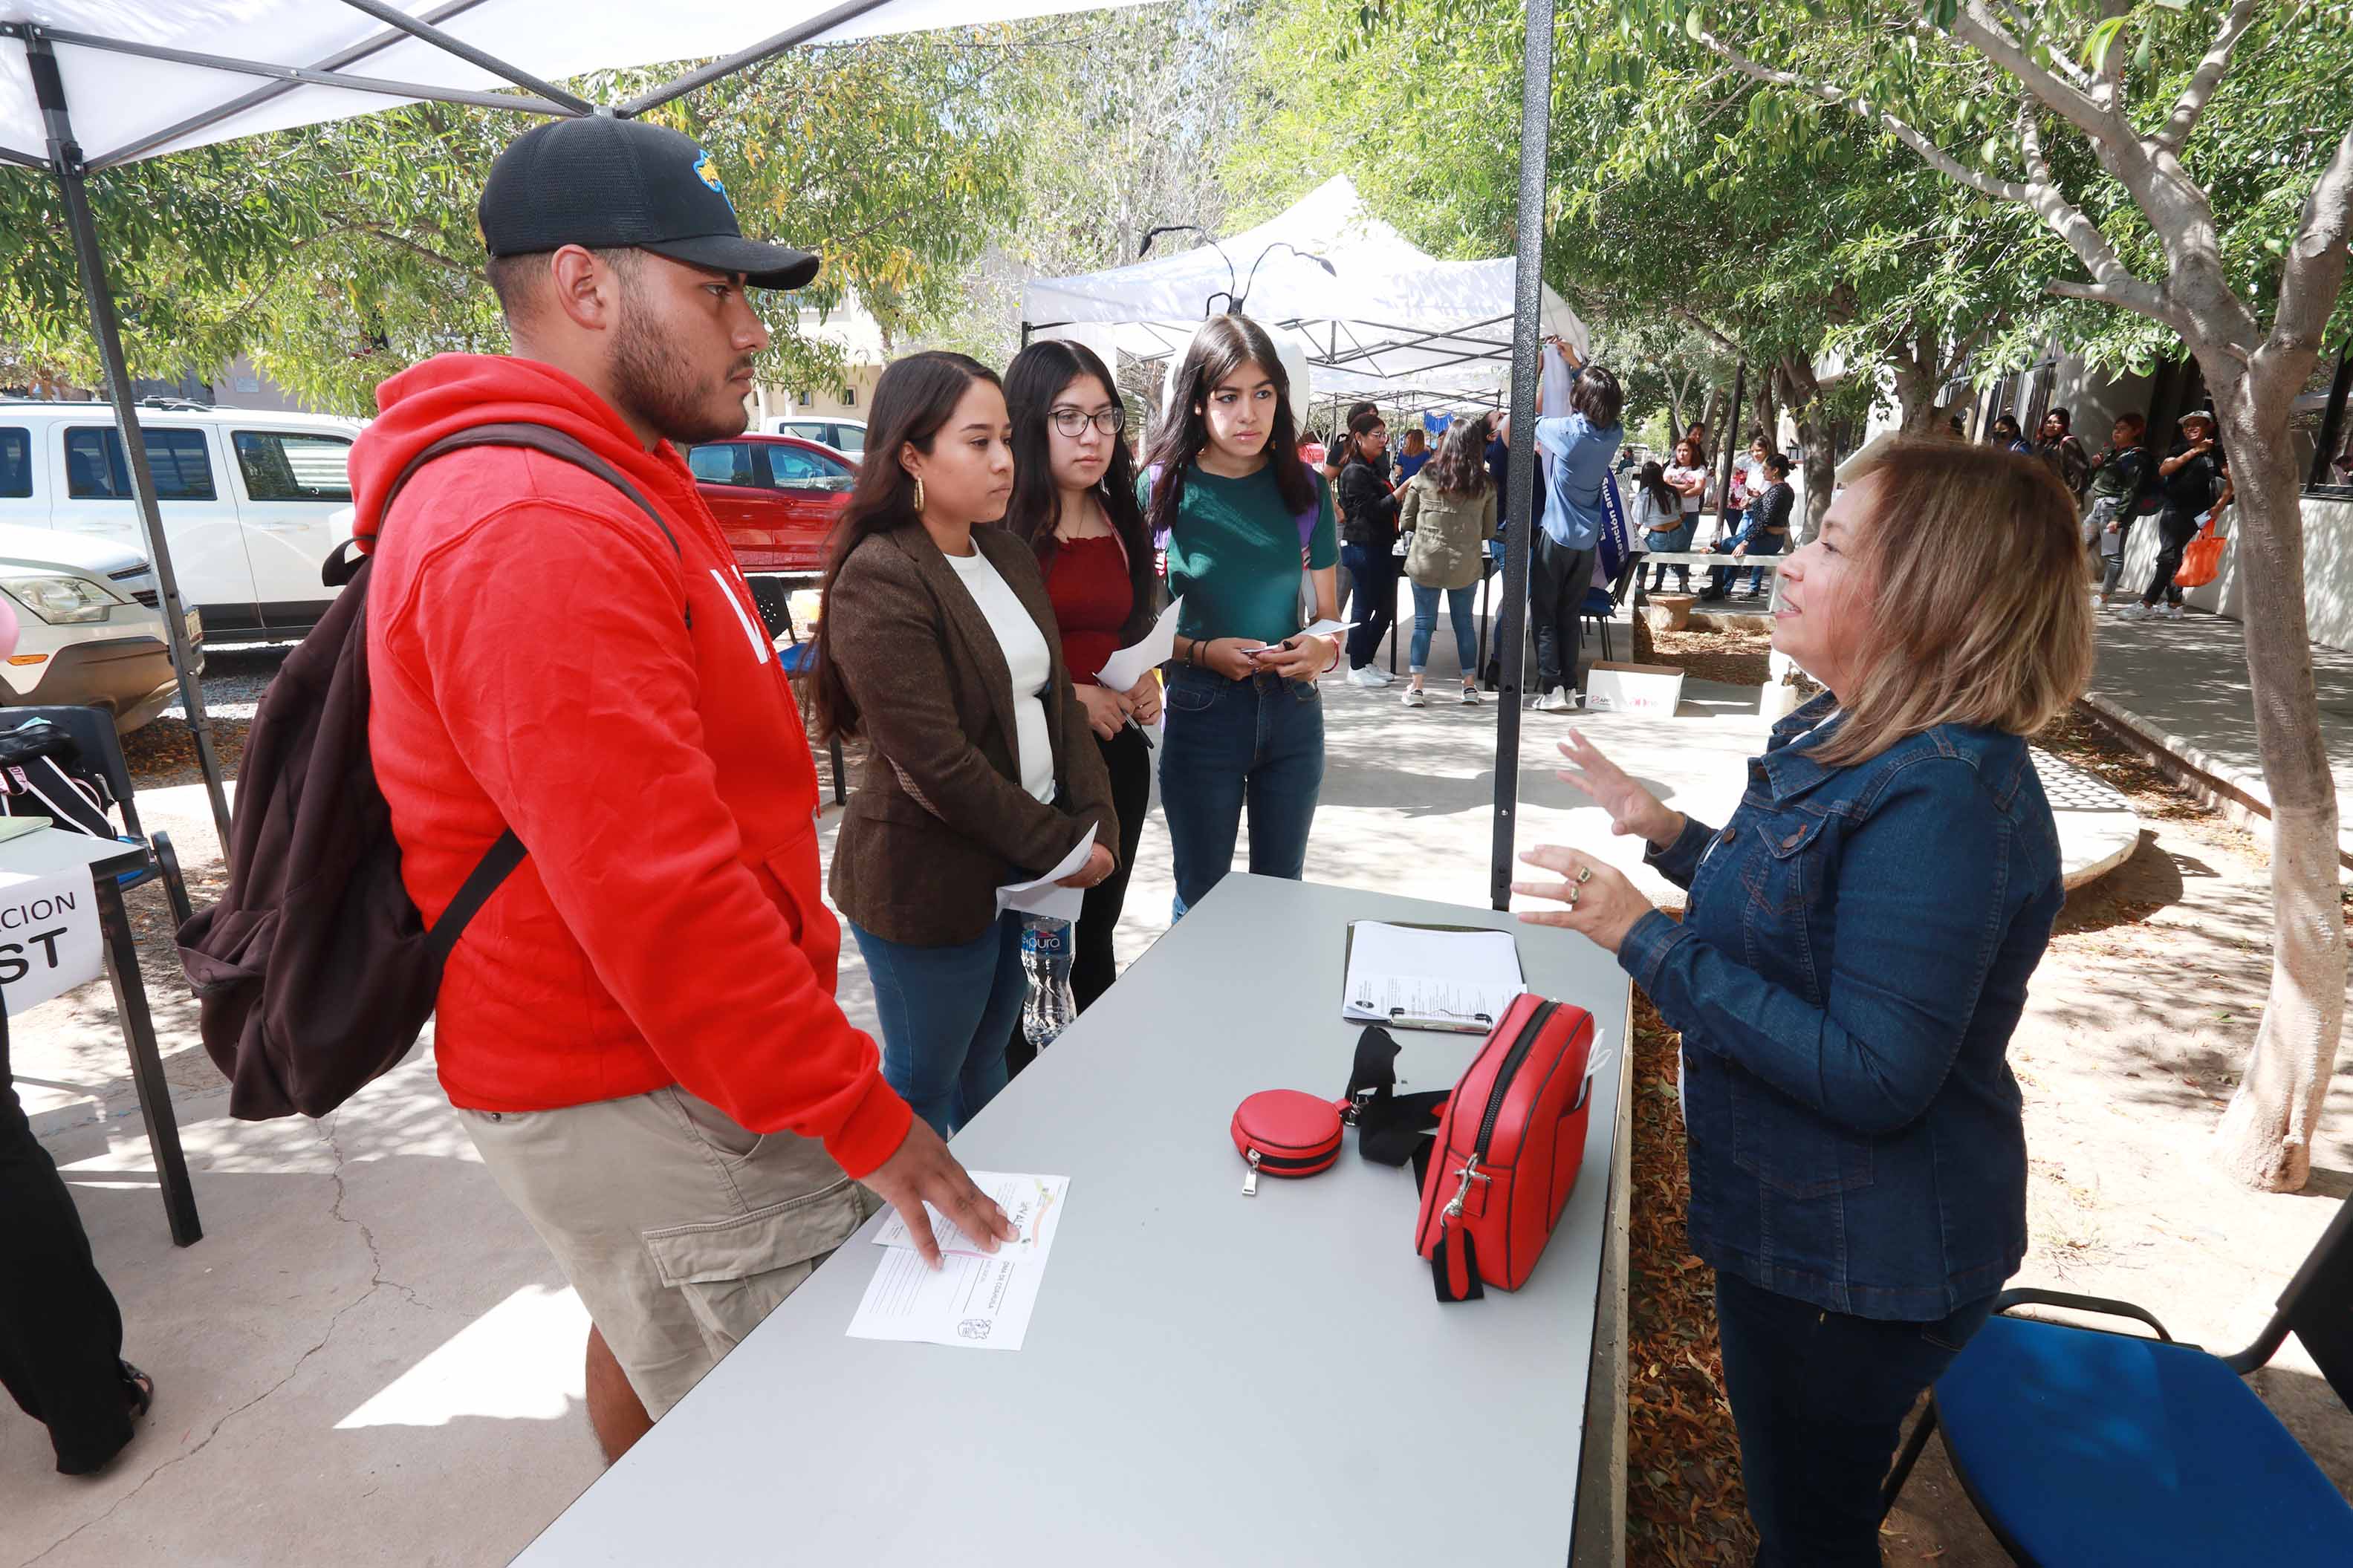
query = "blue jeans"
x=1234 y=744
x=1459 y=605
x=1674 y=542
x=947 y=1013
x=1373 y=576
x=1719 y=579
x=1818 y=1399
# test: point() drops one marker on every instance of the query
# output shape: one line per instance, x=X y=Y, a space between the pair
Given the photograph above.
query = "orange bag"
x=2201 y=558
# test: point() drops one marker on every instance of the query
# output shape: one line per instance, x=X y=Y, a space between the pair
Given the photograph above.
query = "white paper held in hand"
x=1033 y=1203
x=1122 y=670
x=1042 y=895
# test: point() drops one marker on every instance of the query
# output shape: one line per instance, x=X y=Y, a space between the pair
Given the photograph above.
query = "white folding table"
x=1209 y=1378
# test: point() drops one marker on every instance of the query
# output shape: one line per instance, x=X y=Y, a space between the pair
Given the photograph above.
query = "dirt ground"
x=2139 y=1015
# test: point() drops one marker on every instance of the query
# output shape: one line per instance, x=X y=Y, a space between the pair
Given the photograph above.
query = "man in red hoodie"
x=638 y=1030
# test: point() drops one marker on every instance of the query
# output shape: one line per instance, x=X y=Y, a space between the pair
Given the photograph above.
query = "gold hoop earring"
x=919 y=495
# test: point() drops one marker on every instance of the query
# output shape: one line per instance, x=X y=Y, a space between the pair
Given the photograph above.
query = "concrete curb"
x=2238 y=794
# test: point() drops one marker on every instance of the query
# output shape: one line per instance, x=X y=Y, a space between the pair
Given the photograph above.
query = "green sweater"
x=1233 y=554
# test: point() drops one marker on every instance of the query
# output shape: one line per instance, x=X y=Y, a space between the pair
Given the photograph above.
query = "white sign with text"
x=48 y=937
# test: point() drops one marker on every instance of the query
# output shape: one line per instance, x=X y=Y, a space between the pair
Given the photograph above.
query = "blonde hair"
x=1979 y=614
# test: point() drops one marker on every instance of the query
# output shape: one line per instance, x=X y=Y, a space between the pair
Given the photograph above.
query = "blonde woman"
x=1853 y=962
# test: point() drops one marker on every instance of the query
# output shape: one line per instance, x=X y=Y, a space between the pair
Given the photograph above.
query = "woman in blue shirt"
x=1851 y=963
x=1578 y=448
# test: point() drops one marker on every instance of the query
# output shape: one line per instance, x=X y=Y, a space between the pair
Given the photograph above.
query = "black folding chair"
x=2081 y=1444
x=1601 y=605
x=93 y=732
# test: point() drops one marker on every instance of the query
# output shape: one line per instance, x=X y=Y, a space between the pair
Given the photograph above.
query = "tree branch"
x=1862 y=108
x=1976 y=26
x=2183 y=118
x=2315 y=266
x=2071 y=224
x=1684 y=314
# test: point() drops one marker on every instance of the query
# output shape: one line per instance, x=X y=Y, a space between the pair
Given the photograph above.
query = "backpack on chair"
x=315 y=971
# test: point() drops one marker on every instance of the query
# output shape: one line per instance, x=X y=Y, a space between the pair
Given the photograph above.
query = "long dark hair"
x=1223 y=346
x=1461 y=467
x=1032 y=380
x=1360 y=426
x=915 y=397
x=1653 y=478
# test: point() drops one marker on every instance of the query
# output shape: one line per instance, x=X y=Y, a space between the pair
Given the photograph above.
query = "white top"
x=1027 y=657
x=1683 y=474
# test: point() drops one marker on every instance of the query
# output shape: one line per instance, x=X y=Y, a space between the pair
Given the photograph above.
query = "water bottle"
x=1045 y=960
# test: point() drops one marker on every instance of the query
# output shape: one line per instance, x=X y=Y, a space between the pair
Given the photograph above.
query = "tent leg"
x=1527 y=321
x=1026 y=330
x=65 y=163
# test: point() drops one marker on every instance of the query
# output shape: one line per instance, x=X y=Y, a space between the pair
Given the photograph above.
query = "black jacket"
x=1369 y=508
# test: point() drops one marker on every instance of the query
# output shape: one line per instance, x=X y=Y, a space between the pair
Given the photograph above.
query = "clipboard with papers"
x=1453 y=979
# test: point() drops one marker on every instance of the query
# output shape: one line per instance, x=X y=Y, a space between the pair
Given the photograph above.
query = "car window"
x=728 y=463
x=180 y=460
x=850 y=439
x=280 y=465
x=793 y=465
x=15 y=463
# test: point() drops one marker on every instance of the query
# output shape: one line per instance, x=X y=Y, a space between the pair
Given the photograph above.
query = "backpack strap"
x=506 y=852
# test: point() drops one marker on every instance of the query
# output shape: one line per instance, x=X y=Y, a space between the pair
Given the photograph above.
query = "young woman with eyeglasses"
x=1075 y=503
x=1228 y=493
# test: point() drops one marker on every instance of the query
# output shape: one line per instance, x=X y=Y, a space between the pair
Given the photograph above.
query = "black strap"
x=1454 y=1244
x=491 y=869
x=1391 y=1128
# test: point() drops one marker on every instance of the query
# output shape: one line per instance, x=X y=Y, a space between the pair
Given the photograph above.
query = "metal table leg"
x=146 y=1062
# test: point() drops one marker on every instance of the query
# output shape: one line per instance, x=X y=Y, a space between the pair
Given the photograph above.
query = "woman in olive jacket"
x=938 y=647
x=1450 y=509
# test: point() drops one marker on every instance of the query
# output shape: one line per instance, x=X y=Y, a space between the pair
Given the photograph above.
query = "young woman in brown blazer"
x=938 y=647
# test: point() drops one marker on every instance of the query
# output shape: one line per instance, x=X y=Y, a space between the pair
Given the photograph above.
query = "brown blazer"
x=940 y=820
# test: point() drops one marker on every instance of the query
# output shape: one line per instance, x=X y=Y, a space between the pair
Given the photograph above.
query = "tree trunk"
x=1712 y=415
x=2273 y=1115
x=1803 y=396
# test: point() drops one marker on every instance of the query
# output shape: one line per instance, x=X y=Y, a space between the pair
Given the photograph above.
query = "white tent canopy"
x=147 y=77
x=1384 y=318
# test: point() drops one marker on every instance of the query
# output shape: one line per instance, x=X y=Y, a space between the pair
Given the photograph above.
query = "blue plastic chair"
x=2084 y=1445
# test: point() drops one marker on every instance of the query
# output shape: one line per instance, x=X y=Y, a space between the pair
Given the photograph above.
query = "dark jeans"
x=1373 y=572
x=1093 y=967
x=2174 y=534
x=60 y=1331
x=1819 y=1399
x=1719 y=579
x=946 y=1014
x=1558 y=579
x=1231 y=745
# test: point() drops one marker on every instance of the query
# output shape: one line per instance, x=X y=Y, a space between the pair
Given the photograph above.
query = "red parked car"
x=776 y=498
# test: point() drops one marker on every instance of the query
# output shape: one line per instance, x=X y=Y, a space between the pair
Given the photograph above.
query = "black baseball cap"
x=608 y=183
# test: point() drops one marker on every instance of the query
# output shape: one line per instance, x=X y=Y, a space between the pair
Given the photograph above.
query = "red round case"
x=1286 y=1132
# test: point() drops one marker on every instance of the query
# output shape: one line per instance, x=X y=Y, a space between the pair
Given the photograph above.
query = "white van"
x=252 y=504
x=90 y=632
x=847 y=436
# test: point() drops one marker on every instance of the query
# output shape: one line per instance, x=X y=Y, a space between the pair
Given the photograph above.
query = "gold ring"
x=1584 y=875
x=1571 y=900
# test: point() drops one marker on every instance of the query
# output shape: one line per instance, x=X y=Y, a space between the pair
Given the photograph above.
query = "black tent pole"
x=65 y=163
x=1521 y=505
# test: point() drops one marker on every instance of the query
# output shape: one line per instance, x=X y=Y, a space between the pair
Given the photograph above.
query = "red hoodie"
x=541 y=658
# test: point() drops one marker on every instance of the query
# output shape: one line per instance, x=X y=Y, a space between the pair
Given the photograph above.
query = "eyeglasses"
x=1072 y=422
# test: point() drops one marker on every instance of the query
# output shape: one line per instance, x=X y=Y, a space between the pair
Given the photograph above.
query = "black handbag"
x=44 y=774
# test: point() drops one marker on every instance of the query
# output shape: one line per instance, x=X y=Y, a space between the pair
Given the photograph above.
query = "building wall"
x=775 y=402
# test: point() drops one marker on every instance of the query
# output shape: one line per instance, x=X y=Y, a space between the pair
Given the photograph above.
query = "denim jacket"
x=1854 y=958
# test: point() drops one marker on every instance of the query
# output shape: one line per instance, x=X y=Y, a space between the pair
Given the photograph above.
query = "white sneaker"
x=1367 y=676
x=1415 y=697
x=1470 y=697
x=2132 y=610
x=1561 y=701
x=2172 y=612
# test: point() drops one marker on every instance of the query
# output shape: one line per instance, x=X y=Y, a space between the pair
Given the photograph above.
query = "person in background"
x=1449 y=507
x=1659 y=521
x=1310 y=449
x=2121 y=478
x=940 y=650
x=1700 y=439
x=1245 y=721
x=639 y=1030
x=1765 y=532
x=2193 y=483
x=1688 y=477
x=1748 y=479
x=61 y=1331
x=1582 y=441
x=2057 y=445
x=1412 y=453
x=1368 y=530
x=1074 y=502
x=1499 y=466
x=1957 y=426
x=1853 y=959
x=1336 y=456
x=2006 y=435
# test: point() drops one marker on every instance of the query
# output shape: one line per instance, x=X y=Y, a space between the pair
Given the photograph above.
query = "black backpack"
x=315 y=973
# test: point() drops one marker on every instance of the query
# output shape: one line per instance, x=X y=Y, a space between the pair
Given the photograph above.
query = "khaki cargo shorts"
x=680 y=1229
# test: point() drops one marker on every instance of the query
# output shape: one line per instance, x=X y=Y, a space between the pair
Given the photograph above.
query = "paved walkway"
x=370 y=1359
x=2182 y=686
